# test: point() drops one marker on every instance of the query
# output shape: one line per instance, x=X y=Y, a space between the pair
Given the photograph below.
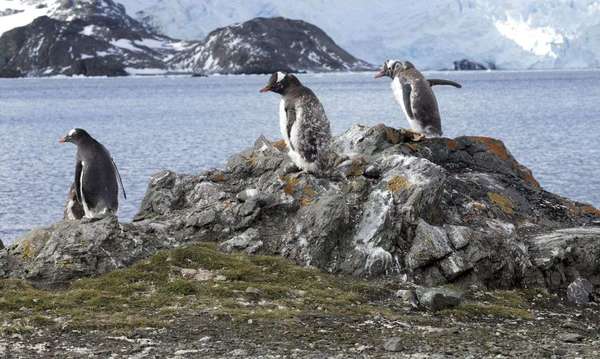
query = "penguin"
x=96 y=176
x=303 y=123
x=414 y=94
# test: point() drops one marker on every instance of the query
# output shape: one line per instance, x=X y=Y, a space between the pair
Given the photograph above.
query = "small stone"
x=580 y=291
x=372 y=171
x=408 y=296
x=247 y=241
x=393 y=345
x=570 y=337
x=252 y=290
x=188 y=273
x=247 y=194
x=435 y=299
x=238 y=353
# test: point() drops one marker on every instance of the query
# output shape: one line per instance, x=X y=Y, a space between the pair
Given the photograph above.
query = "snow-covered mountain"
x=98 y=37
x=84 y=37
x=265 y=45
x=432 y=33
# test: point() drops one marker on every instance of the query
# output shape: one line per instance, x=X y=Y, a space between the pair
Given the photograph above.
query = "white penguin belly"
x=283 y=123
x=86 y=210
x=399 y=95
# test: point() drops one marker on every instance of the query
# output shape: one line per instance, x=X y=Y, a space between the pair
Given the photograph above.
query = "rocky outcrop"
x=469 y=65
x=266 y=45
x=432 y=211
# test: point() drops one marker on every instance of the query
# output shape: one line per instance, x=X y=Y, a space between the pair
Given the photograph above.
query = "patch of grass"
x=153 y=292
x=502 y=304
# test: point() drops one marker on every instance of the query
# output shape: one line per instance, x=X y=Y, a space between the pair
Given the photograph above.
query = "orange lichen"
x=503 y=202
x=452 y=145
x=290 y=184
x=217 y=177
x=392 y=135
x=308 y=195
x=589 y=210
x=280 y=145
x=398 y=183
x=527 y=176
x=493 y=145
x=411 y=146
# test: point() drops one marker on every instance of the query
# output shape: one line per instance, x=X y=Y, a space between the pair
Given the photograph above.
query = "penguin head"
x=391 y=67
x=75 y=136
x=280 y=82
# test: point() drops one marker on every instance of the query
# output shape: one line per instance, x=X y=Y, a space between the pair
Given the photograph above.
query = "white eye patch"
x=390 y=63
x=280 y=76
x=72 y=132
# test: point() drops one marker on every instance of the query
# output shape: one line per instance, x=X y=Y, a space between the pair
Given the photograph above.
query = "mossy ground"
x=267 y=304
x=151 y=292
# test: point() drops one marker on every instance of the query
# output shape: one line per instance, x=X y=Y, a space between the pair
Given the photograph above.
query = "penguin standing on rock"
x=96 y=175
x=414 y=94
x=303 y=122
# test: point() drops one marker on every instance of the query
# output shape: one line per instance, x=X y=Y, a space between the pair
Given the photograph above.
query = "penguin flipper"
x=406 y=92
x=119 y=177
x=78 y=170
x=434 y=82
x=291 y=118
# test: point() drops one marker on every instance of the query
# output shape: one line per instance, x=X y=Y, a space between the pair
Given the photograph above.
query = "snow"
x=514 y=34
x=88 y=30
x=144 y=72
x=125 y=44
x=28 y=14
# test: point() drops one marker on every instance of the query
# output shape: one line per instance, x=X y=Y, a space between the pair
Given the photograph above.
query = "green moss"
x=506 y=304
x=150 y=293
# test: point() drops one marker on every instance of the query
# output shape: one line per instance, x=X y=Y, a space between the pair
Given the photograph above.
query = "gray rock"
x=430 y=244
x=408 y=296
x=439 y=298
x=248 y=242
x=393 y=345
x=570 y=337
x=580 y=291
x=567 y=254
x=440 y=211
x=72 y=249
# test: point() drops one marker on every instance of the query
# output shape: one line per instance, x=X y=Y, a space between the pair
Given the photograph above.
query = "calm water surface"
x=549 y=120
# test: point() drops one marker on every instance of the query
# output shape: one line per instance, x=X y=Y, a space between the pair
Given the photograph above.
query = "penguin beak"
x=63 y=139
x=380 y=74
x=265 y=89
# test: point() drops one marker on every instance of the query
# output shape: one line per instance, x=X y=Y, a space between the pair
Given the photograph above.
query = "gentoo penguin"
x=96 y=175
x=414 y=94
x=303 y=123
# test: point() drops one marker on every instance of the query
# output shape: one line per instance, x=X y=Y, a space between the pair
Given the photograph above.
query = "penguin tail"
x=434 y=82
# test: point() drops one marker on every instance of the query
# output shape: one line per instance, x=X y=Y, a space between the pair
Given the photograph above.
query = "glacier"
x=513 y=34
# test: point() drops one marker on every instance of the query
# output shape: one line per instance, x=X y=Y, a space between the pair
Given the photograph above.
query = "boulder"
x=580 y=291
x=428 y=210
x=435 y=299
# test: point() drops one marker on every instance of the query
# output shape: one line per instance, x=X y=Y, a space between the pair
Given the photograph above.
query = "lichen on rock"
x=428 y=210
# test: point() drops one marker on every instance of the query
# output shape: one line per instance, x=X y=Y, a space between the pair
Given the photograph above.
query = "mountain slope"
x=511 y=34
x=90 y=37
x=265 y=45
